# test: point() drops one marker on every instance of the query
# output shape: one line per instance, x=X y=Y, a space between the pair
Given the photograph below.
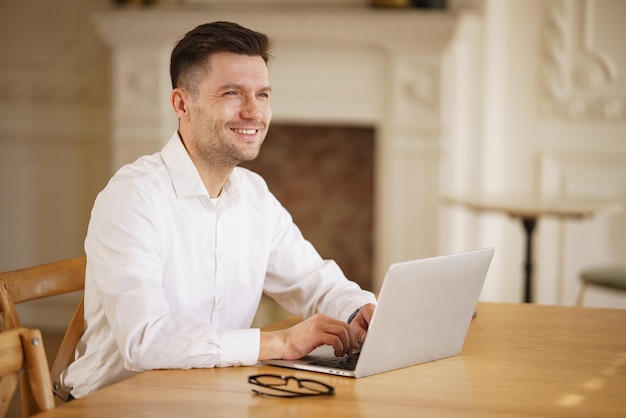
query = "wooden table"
x=519 y=360
x=528 y=209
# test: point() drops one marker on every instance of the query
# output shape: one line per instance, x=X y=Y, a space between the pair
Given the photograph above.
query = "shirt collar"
x=185 y=177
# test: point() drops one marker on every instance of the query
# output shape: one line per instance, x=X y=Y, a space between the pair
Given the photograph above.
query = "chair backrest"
x=23 y=358
x=39 y=282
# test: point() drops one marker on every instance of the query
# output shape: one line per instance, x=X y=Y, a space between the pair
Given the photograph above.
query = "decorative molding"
x=575 y=75
x=418 y=82
x=414 y=105
x=138 y=77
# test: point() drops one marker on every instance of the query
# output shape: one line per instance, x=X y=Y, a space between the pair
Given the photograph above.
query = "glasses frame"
x=288 y=393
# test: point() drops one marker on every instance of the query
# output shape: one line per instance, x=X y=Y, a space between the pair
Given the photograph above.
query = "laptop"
x=424 y=311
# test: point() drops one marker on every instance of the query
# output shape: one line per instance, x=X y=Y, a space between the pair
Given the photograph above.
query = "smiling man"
x=182 y=244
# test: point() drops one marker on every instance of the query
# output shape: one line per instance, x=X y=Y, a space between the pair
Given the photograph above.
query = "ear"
x=179 y=100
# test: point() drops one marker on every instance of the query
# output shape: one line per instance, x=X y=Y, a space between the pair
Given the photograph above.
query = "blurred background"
x=380 y=109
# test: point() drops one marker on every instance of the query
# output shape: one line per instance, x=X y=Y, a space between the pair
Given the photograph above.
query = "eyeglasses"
x=278 y=386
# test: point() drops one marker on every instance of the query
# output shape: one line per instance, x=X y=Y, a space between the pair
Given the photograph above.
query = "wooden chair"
x=23 y=358
x=609 y=277
x=39 y=282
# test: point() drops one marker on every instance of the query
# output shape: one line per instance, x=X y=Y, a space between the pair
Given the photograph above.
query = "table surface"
x=532 y=206
x=519 y=360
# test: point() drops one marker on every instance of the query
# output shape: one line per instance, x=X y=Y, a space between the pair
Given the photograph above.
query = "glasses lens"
x=315 y=386
x=270 y=380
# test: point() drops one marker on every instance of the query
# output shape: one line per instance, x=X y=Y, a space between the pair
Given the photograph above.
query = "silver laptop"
x=424 y=310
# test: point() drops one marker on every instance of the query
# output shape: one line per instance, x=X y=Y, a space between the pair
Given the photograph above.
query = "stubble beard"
x=218 y=149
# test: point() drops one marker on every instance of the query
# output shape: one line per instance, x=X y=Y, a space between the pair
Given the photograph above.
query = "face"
x=225 y=120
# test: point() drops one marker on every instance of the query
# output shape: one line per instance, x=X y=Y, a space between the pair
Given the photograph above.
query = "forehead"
x=227 y=67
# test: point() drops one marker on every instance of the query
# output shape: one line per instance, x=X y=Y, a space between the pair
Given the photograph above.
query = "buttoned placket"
x=216 y=313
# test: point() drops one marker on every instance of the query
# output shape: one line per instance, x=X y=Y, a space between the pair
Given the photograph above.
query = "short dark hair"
x=201 y=42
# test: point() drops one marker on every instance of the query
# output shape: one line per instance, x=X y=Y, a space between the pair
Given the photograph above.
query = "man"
x=182 y=244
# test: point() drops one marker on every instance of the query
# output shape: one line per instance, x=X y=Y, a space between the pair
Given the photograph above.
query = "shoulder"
x=250 y=181
x=253 y=191
x=147 y=176
x=146 y=169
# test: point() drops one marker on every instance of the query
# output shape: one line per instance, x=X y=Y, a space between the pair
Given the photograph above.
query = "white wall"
x=54 y=103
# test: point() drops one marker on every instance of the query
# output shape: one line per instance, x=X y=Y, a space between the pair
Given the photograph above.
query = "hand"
x=361 y=322
x=299 y=340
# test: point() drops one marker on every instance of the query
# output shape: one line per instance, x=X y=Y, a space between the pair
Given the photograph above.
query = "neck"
x=213 y=173
x=214 y=179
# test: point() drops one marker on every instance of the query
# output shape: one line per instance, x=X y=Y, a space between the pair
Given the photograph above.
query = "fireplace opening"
x=324 y=176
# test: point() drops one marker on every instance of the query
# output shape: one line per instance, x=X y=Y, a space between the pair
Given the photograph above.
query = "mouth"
x=245 y=131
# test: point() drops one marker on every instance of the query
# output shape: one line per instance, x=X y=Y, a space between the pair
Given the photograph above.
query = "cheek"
x=267 y=113
x=210 y=115
x=227 y=110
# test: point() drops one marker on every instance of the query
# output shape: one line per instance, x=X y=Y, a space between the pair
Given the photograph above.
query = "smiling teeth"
x=245 y=131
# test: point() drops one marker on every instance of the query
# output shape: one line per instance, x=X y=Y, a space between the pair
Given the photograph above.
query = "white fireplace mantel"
x=407 y=30
x=364 y=66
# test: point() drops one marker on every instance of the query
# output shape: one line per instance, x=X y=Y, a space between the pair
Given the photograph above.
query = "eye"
x=230 y=93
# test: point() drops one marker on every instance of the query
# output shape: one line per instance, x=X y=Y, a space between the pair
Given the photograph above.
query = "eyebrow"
x=240 y=87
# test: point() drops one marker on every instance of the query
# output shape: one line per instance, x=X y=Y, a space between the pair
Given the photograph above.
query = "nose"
x=253 y=108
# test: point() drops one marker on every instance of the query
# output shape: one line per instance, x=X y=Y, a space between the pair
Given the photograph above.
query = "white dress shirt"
x=174 y=281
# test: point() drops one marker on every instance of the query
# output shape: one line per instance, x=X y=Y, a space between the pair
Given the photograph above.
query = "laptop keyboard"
x=344 y=363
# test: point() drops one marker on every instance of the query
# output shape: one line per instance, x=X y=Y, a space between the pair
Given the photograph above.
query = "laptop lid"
x=423 y=314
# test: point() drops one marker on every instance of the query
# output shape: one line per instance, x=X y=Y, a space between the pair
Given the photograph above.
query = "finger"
x=340 y=335
x=359 y=336
x=361 y=322
x=351 y=342
x=368 y=312
x=365 y=315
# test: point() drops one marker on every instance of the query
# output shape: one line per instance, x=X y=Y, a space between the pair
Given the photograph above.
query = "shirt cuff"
x=240 y=347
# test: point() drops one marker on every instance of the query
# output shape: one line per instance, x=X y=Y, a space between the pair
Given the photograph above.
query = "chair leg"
x=581 y=294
